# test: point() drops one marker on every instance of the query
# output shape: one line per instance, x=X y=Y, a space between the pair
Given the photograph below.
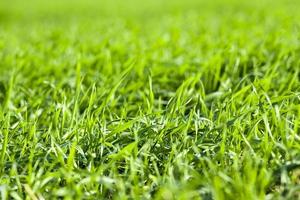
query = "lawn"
x=152 y=99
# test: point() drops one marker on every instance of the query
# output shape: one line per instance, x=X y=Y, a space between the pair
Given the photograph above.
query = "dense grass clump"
x=150 y=99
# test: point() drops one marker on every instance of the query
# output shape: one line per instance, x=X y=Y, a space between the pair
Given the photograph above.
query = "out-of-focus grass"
x=36 y=9
x=149 y=99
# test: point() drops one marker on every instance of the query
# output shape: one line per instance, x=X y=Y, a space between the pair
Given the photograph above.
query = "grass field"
x=150 y=99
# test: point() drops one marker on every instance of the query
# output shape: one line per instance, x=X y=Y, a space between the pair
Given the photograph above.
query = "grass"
x=150 y=100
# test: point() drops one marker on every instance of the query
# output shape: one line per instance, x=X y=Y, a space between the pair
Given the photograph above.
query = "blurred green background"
x=41 y=9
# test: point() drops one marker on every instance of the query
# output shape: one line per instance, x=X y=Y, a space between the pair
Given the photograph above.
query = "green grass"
x=150 y=99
